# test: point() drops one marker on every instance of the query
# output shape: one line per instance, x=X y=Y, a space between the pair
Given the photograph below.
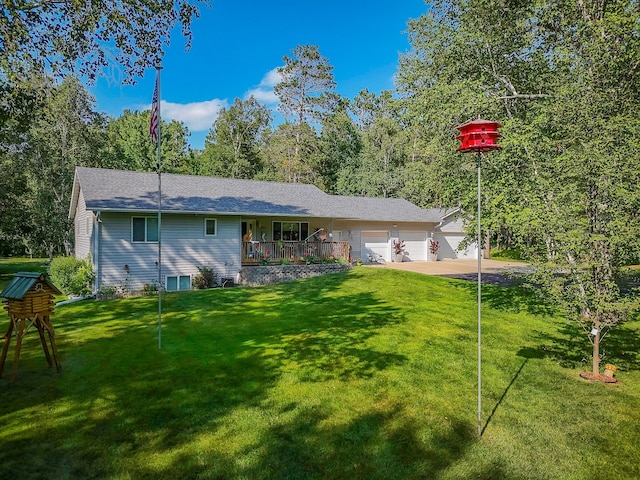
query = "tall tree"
x=13 y=204
x=340 y=144
x=306 y=97
x=66 y=133
x=306 y=87
x=562 y=78
x=367 y=106
x=129 y=146
x=17 y=102
x=378 y=169
x=291 y=154
x=232 y=148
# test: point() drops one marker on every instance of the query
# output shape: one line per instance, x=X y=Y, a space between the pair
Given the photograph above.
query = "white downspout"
x=96 y=258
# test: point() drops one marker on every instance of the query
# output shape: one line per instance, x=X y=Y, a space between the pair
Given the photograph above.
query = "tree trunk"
x=596 y=353
x=486 y=253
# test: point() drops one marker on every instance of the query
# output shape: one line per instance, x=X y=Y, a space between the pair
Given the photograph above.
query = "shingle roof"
x=118 y=190
x=391 y=209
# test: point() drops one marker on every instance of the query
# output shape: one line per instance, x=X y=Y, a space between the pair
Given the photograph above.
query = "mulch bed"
x=598 y=378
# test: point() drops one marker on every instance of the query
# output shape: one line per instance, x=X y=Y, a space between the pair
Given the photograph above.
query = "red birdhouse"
x=478 y=136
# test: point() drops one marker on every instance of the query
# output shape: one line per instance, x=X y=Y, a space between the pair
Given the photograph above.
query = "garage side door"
x=375 y=242
x=415 y=245
x=449 y=246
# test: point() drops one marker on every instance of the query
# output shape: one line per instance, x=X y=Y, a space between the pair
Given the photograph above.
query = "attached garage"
x=415 y=244
x=449 y=243
x=375 y=242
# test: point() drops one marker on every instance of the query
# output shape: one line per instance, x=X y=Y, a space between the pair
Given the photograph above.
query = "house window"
x=144 y=229
x=178 y=282
x=290 y=231
x=210 y=227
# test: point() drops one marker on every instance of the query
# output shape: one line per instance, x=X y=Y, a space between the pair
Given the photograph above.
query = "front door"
x=249 y=235
x=249 y=231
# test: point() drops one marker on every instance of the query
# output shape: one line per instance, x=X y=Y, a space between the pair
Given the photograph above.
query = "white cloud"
x=271 y=79
x=264 y=91
x=198 y=116
x=262 y=95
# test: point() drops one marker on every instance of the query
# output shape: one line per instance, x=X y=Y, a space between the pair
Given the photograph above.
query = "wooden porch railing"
x=256 y=253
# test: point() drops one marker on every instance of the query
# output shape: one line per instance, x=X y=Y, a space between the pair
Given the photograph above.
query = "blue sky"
x=238 y=44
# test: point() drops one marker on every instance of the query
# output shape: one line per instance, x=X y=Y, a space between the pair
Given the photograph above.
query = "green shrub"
x=512 y=254
x=72 y=276
x=150 y=287
x=107 y=290
x=204 y=279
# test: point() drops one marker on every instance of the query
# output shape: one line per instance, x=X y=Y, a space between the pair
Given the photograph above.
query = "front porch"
x=288 y=252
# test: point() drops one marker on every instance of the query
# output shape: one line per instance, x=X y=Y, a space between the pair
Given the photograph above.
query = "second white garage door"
x=415 y=245
x=449 y=246
x=375 y=242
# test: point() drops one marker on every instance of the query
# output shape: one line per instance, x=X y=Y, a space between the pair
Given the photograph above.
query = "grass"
x=369 y=374
x=10 y=266
x=506 y=255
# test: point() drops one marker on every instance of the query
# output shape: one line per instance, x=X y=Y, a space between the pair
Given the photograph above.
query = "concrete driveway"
x=493 y=271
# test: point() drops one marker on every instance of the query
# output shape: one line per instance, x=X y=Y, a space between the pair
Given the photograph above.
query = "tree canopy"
x=84 y=37
x=233 y=146
x=563 y=80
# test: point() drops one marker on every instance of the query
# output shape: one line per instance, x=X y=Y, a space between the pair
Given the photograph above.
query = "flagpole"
x=159 y=126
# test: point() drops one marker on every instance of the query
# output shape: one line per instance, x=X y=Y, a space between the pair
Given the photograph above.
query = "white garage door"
x=375 y=242
x=449 y=246
x=415 y=245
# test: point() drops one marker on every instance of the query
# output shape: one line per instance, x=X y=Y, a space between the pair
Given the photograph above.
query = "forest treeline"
x=344 y=146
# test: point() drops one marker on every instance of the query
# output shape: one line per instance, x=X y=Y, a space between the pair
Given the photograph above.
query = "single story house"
x=229 y=224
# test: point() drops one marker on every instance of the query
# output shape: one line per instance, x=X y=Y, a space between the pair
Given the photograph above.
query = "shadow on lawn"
x=119 y=398
x=510 y=298
x=330 y=336
x=528 y=353
x=570 y=347
x=381 y=444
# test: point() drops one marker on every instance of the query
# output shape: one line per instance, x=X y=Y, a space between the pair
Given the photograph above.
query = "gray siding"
x=83 y=229
x=184 y=248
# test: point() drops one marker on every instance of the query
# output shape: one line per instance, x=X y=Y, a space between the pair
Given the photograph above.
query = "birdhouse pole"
x=479 y=136
x=479 y=255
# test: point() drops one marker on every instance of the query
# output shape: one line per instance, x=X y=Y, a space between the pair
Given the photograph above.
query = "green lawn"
x=10 y=266
x=513 y=254
x=369 y=374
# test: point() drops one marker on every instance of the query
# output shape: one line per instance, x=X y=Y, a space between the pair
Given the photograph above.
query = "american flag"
x=154 y=125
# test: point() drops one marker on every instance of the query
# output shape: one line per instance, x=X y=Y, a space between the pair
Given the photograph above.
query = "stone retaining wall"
x=268 y=274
